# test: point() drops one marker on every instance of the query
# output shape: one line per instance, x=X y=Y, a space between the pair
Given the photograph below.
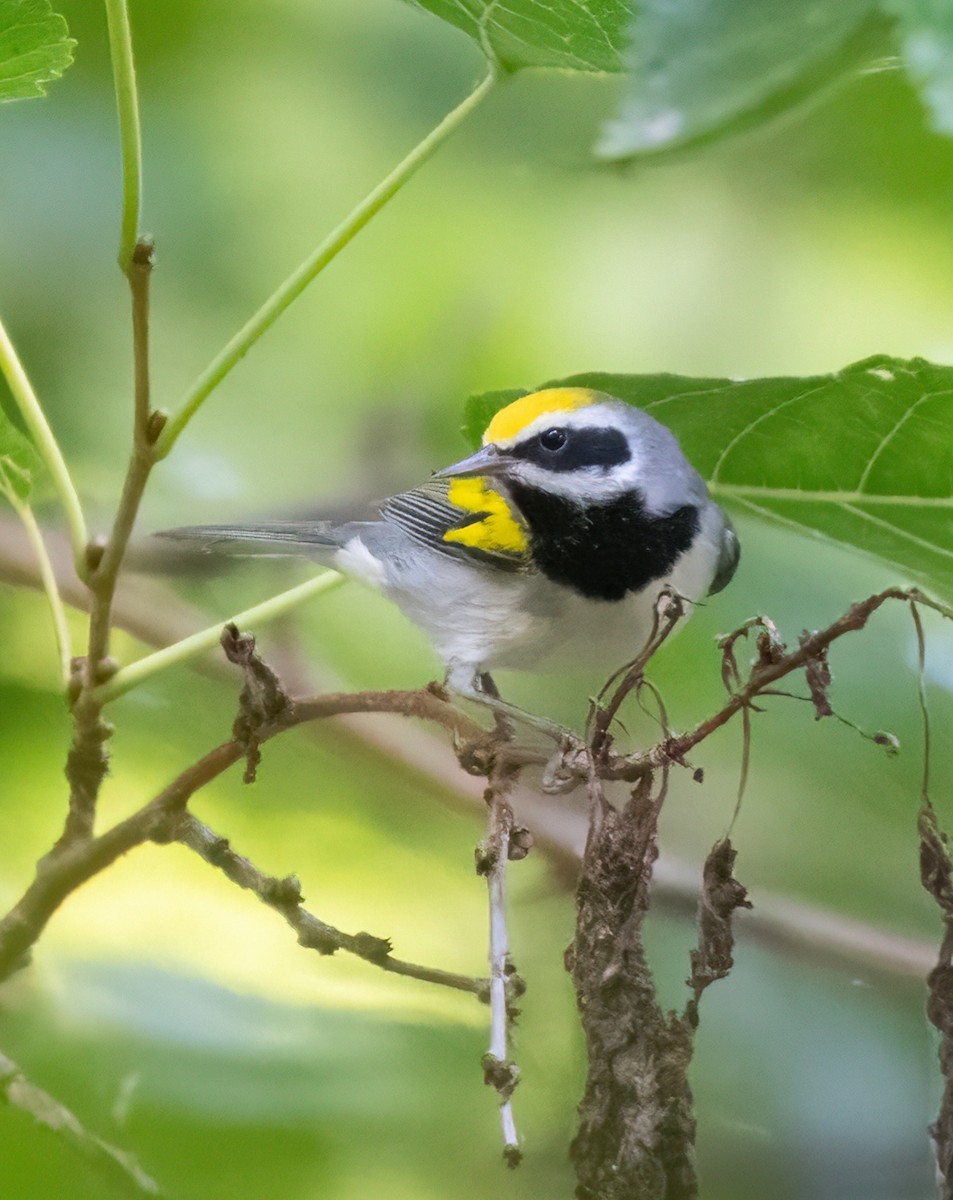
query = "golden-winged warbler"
x=552 y=542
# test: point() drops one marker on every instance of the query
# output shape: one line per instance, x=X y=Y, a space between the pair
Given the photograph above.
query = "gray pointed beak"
x=489 y=460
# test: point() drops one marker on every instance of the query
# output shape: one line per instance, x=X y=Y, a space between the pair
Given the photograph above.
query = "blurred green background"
x=173 y=1013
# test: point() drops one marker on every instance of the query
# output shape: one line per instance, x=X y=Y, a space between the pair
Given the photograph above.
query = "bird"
x=549 y=545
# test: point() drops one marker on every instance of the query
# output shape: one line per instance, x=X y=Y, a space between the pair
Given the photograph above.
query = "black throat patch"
x=605 y=550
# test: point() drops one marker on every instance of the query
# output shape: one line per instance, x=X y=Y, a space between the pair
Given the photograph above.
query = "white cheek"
x=588 y=483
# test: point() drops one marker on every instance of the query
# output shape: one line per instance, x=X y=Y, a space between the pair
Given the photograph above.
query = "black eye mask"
x=561 y=449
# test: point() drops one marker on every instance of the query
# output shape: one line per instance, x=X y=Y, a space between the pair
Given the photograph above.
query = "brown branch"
x=492 y=858
x=149 y=611
x=71 y=864
x=88 y=758
x=154 y=614
x=669 y=610
x=771 y=665
x=284 y=897
x=139 y=274
x=31 y=1100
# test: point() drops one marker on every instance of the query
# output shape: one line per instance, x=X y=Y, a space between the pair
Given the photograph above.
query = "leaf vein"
x=741 y=491
x=888 y=437
x=899 y=531
x=801 y=528
x=760 y=419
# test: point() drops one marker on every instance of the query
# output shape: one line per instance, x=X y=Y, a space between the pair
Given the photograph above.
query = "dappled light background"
x=173 y=1013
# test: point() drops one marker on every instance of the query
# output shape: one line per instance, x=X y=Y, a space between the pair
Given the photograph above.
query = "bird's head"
x=586 y=447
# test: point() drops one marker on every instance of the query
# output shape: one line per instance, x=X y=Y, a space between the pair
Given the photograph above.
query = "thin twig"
x=771 y=666
x=105 y=571
x=668 y=611
x=146 y=424
x=236 y=349
x=31 y=1100
x=283 y=895
x=131 y=676
x=922 y=700
x=88 y=759
x=493 y=855
x=77 y=859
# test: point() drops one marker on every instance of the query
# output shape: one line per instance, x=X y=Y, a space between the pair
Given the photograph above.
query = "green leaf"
x=863 y=457
x=35 y=48
x=699 y=65
x=19 y=461
x=926 y=40
x=575 y=35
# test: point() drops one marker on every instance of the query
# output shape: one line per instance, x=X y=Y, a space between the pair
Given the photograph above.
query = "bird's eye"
x=553 y=439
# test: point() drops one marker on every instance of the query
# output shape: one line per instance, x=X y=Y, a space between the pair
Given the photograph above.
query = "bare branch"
x=72 y=863
x=669 y=609
x=88 y=759
x=493 y=855
x=284 y=896
x=21 y=1094
x=157 y=616
x=772 y=664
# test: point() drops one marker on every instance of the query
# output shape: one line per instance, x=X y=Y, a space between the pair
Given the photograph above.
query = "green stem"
x=45 y=442
x=127 y=104
x=295 y=284
x=48 y=579
x=129 y=677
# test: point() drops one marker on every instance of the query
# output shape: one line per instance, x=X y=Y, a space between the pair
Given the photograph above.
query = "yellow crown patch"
x=509 y=422
x=497 y=532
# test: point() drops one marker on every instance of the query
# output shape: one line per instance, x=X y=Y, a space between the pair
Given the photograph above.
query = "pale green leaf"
x=576 y=35
x=700 y=65
x=35 y=48
x=863 y=457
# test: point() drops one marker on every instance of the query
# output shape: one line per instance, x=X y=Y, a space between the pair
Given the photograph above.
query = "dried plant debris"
x=263 y=701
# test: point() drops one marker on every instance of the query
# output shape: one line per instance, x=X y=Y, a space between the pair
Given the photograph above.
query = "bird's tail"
x=310 y=539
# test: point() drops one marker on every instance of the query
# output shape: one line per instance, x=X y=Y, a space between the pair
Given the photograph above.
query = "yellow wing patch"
x=497 y=531
x=509 y=422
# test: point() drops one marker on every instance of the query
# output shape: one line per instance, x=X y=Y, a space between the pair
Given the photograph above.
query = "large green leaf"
x=863 y=456
x=576 y=35
x=699 y=65
x=35 y=48
x=926 y=39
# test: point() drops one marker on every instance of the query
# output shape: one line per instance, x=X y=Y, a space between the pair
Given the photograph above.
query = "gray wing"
x=427 y=515
x=727 y=558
